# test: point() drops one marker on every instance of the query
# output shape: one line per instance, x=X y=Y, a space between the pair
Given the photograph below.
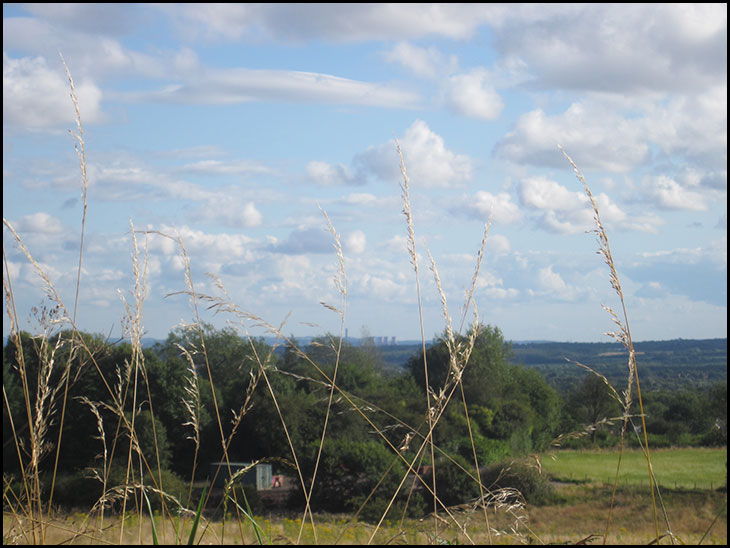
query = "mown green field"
x=688 y=468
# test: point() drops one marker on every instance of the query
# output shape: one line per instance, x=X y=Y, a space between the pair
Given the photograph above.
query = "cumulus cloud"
x=473 y=95
x=424 y=62
x=567 y=212
x=428 y=161
x=683 y=47
x=498 y=244
x=323 y=173
x=551 y=284
x=595 y=135
x=304 y=241
x=669 y=194
x=36 y=97
x=208 y=246
x=492 y=286
x=355 y=242
x=562 y=211
x=382 y=286
x=693 y=125
x=231 y=212
x=483 y=204
x=39 y=223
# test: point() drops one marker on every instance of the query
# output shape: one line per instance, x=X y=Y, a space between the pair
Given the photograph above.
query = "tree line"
x=200 y=395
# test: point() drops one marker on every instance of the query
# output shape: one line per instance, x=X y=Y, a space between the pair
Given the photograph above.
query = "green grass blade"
x=198 y=512
x=249 y=516
x=155 y=541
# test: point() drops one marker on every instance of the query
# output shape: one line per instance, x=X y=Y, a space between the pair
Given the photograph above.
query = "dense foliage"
x=248 y=391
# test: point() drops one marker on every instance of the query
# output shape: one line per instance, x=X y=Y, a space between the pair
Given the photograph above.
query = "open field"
x=690 y=515
x=688 y=468
x=582 y=512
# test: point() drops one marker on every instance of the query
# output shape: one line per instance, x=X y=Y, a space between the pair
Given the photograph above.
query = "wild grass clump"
x=404 y=483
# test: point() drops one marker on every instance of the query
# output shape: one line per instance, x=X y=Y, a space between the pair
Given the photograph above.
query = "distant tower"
x=347 y=334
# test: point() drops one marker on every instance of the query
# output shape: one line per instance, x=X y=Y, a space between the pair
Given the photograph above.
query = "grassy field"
x=688 y=468
x=581 y=513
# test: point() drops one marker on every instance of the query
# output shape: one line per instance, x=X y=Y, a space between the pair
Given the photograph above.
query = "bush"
x=453 y=485
x=81 y=490
x=77 y=490
x=348 y=472
x=528 y=480
x=488 y=450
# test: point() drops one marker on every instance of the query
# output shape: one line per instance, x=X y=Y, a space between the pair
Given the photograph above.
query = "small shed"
x=259 y=475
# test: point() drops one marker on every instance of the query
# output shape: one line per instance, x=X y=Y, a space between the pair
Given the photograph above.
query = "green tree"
x=590 y=402
x=348 y=473
x=485 y=374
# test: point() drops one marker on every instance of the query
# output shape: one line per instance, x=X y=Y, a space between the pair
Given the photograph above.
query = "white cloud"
x=542 y=193
x=491 y=286
x=361 y=199
x=424 y=62
x=594 y=46
x=39 y=223
x=483 y=204
x=232 y=212
x=355 y=242
x=331 y=22
x=429 y=163
x=669 y=194
x=595 y=136
x=473 y=95
x=241 y=85
x=552 y=284
x=239 y=167
x=210 y=247
x=36 y=97
x=498 y=244
x=694 y=126
x=93 y=50
x=567 y=212
x=305 y=240
x=323 y=173
x=382 y=286
x=91 y=18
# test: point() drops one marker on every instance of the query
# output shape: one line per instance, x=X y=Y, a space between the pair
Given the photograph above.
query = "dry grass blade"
x=624 y=337
x=411 y=245
x=341 y=284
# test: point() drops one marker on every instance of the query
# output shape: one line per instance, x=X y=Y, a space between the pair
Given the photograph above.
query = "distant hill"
x=661 y=364
x=667 y=364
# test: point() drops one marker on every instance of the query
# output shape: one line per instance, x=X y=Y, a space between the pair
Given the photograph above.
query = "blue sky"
x=235 y=125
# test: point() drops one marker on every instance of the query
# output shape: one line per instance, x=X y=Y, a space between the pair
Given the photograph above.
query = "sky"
x=242 y=128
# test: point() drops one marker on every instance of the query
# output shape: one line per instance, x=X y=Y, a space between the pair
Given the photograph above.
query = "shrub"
x=77 y=490
x=527 y=479
x=453 y=485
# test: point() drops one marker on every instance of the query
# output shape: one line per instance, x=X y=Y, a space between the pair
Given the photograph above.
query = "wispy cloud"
x=242 y=85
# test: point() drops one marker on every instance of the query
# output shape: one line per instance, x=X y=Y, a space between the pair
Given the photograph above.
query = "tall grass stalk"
x=623 y=336
x=341 y=285
x=411 y=243
x=81 y=152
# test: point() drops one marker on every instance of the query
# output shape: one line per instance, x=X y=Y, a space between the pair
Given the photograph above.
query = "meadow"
x=136 y=508
x=675 y=468
x=697 y=517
